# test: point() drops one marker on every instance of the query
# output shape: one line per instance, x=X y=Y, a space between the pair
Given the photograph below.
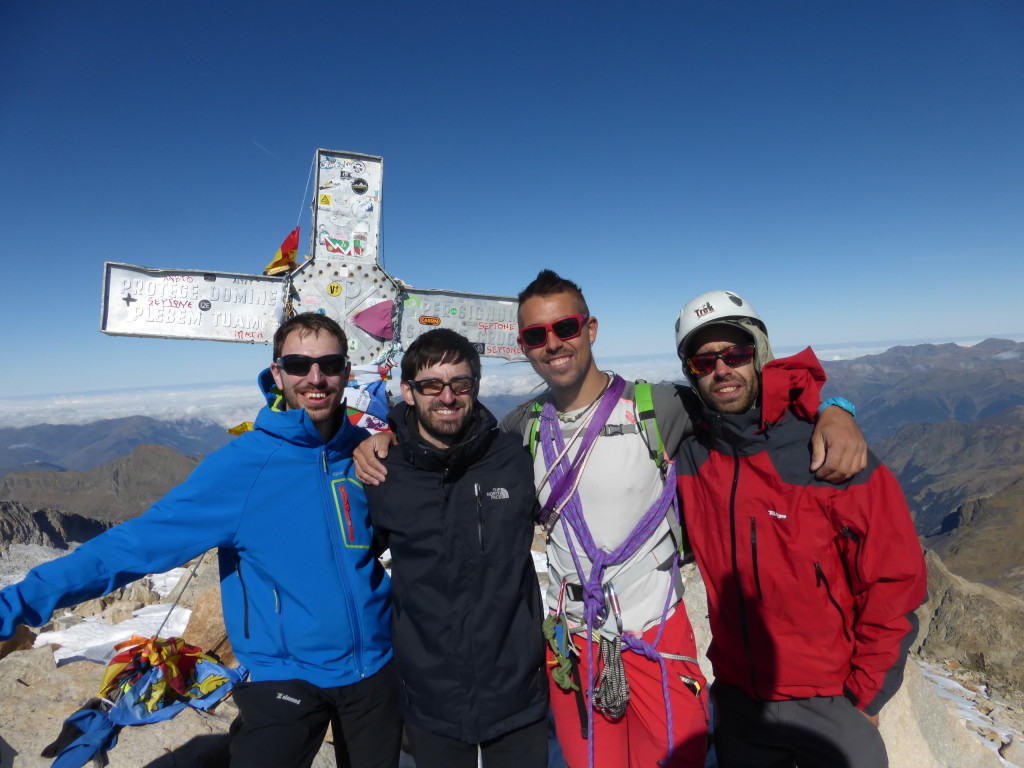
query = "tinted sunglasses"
x=533 y=336
x=300 y=365
x=460 y=385
x=734 y=357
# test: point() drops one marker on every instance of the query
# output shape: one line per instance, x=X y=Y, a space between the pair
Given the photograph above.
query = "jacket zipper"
x=348 y=514
x=340 y=556
x=753 y=557
x=744 y=628
x=850 y=534
x=828 y=591
x=479 y=515
x=279 y=610
x=245 y=597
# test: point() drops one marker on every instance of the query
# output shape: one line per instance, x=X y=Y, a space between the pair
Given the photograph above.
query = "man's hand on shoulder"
x=838 y=448
x=369 y=456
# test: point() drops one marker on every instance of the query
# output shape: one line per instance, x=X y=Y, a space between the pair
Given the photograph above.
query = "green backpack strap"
x=533 y=430
x=645 y=411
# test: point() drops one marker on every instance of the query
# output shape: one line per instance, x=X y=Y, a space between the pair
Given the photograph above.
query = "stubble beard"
x=447 y=431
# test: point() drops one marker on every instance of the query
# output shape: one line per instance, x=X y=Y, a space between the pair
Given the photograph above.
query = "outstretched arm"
x=369 y=456
x=200 y=514
x=838 y=448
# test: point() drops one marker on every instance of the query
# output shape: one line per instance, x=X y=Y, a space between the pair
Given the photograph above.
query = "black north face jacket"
x=466 y=605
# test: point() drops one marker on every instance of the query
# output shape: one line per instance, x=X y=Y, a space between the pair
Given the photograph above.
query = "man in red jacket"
x=811 y=586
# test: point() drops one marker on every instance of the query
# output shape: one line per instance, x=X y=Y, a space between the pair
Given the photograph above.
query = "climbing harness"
x=599 y=598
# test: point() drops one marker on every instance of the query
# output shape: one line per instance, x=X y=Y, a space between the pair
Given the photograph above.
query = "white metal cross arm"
x=342 y=279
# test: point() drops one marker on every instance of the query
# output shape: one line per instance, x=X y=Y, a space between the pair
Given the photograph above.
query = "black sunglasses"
x=300 y=365
x=734 y=357
x=460 y=385
x=565 y=328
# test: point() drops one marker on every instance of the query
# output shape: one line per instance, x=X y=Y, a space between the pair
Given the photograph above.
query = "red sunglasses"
x=734 y=357
x=565 y=328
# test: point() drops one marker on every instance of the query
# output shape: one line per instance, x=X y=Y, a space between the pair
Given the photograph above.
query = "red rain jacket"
x=811 y=586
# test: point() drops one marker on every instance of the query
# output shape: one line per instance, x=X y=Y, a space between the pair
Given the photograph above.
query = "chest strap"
x=659 y=558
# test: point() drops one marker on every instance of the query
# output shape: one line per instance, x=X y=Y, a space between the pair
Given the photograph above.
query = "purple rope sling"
x=562 y=479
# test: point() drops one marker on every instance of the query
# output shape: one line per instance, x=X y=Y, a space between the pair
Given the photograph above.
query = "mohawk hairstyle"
x=549 y=283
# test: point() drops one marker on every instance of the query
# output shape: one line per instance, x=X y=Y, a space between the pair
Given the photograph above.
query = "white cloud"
x=221 y=404
x=230 y=404
x=1012 y=355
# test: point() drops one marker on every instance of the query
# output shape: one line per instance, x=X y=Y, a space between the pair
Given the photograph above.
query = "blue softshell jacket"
x=304 y=597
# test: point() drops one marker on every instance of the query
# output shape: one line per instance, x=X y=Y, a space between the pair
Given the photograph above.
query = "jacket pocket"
x=245 y=596
x=822 y=580
x=849 y=546
x=352 y=513
x=281 y=624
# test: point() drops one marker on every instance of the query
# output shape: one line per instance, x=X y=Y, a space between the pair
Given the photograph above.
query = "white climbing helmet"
x=714 y=307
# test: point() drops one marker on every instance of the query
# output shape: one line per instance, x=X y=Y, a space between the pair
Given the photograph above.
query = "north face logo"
x=497 y=493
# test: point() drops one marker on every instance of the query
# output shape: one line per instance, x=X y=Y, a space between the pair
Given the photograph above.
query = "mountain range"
x=59 y=447
x=930 y=383
x=949 y=422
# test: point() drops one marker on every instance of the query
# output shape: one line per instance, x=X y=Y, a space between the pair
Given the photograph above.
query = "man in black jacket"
x=457 y=513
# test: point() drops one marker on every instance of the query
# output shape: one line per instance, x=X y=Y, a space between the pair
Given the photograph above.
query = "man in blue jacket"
x=306 y=603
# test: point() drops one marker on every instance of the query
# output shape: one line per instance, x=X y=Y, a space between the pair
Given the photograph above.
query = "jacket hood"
x=792 y=383
x=483 y=428
x=296 y=426
x=265 y=381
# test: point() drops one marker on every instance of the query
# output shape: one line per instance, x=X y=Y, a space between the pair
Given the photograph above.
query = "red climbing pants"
x=639 y=739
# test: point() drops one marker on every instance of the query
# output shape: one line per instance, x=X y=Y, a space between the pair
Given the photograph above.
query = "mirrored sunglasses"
x=734 y=357
x=533 y=336
x=300 y=365
x=460 y=385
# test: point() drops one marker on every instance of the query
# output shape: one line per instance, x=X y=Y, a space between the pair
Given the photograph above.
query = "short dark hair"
x=548 y=283
x=441 y=345
x=308 y=323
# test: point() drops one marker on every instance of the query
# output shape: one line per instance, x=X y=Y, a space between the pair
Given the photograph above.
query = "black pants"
x=526 y=747
x=820 y=732
x=282 y=724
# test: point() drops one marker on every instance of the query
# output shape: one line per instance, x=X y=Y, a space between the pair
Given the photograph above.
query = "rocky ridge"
x=112 y=492
x=943 y=465
x=44 y=527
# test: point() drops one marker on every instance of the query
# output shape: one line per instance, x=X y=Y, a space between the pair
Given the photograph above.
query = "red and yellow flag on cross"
x=284 y=259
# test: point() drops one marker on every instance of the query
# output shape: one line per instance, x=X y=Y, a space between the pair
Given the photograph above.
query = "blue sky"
x=854 y=169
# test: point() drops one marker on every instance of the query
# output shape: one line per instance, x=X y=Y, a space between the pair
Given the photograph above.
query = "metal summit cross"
x=342 y=279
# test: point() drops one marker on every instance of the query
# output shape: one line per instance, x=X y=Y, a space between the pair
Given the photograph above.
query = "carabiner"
x=612 y=599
